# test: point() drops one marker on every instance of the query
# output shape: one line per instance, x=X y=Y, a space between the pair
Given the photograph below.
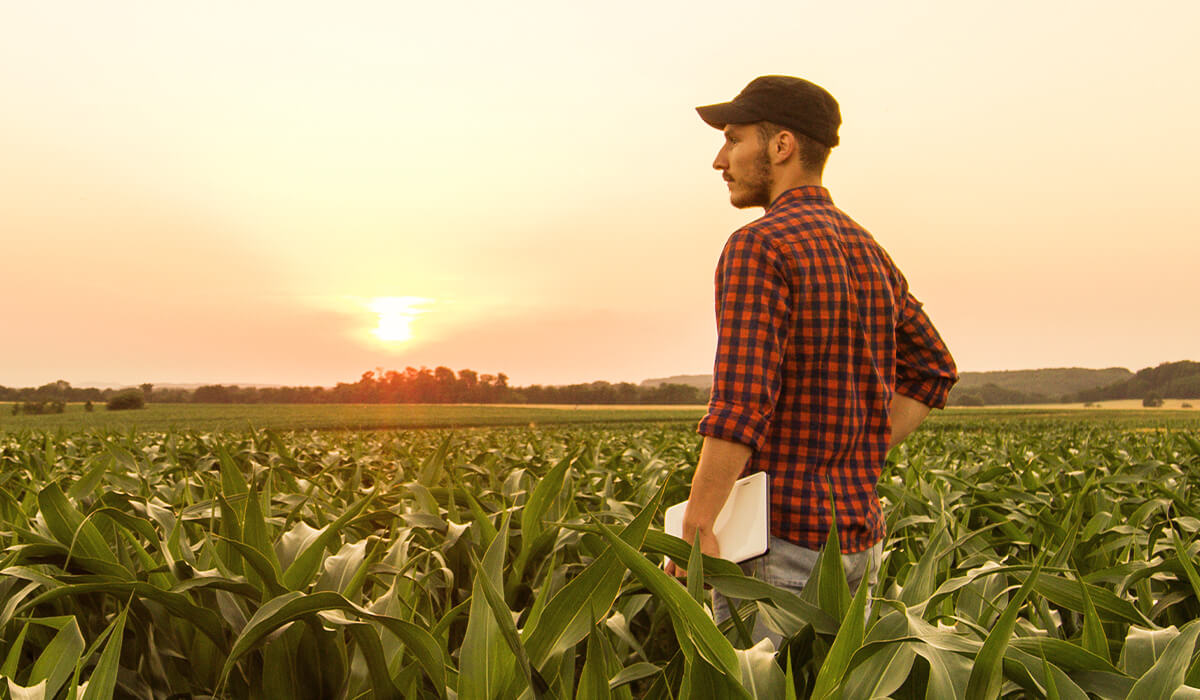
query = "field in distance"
x=1112 y=404
x=165 y=416
x=224 y=417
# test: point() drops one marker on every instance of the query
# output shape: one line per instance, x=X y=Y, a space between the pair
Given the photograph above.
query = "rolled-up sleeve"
x=925 y=370
x=753 y=320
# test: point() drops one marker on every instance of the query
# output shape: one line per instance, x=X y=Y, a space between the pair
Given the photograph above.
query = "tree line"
x=1169 y=380
x=411 y=385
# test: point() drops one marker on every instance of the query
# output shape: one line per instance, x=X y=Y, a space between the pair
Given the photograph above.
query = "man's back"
x=808 y=308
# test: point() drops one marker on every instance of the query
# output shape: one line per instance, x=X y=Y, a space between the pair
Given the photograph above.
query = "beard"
x=754 y=188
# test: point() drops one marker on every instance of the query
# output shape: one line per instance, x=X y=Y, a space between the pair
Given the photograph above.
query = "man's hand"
x=708 y=545
x=720 y=463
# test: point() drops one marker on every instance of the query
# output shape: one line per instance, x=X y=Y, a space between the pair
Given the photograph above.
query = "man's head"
x=788 y=124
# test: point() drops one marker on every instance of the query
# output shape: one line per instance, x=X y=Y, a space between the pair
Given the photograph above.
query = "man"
x=824 y=359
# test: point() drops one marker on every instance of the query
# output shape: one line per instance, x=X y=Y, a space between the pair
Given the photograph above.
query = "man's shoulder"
x=795 y=222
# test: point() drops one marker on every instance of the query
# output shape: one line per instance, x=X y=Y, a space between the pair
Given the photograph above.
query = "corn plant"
x=1023 y=561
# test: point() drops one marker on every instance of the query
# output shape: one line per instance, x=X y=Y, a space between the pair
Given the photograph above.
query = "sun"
x=396 y=315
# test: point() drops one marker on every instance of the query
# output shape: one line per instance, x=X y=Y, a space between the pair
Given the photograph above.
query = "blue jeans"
x=789 y=566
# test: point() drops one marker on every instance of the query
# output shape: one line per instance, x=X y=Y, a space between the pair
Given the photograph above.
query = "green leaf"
x=827 y=584
x=1094 y=638
x=487 y=580
x=693 y=628
x=742 y=587
x=1063 y=654
x=285 y=670
x=533 y=513
x=59 y=659
x=433 y=467
x=92 y=477
x=761 y=674
x=848 y=640
x=232 y=482
x=293 y=605
x=1143 y=647
x=366 y=638
x=1167 y=674
x=70 y=528
x=103 y=681
x=949 y=673
x=9 y=668
x=635 y=672
x=256 y=533
x=984 y=683
x=1051 y=686
x=265 y=576
x=344 y=572
x=695 y=564
x=568 y=617
x=880 y=672
x=593 y=679
x=919 y=585
x=487 y=661
x=1039 y=676
x=1185 y=560
x=790 y=676
x=1109 y=686
x=180 y=606
x=304 y=568
x=1065 y=592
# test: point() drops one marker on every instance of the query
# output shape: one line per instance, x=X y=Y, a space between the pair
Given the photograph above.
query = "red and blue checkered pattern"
x=816 y=329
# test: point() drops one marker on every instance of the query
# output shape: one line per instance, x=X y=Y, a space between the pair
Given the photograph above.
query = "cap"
x=790 y=102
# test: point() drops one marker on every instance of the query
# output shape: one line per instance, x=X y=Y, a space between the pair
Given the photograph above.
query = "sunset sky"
x=297 y=192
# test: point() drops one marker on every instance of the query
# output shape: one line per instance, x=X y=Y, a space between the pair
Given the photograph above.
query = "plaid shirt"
x=816 y=329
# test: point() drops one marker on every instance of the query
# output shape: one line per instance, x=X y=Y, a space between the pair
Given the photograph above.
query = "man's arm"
x=721 y=462
x=925 y=370
x=907 y=414
x=753 y=307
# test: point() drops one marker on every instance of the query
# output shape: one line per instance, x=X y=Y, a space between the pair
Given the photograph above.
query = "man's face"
x=744 y=164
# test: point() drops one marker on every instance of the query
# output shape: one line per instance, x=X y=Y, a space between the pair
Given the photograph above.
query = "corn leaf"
x=1167 y=674
x=693 y=627
x=103 y=681
x=848 y=640
x=568 y=617
x=984 y=683
x=60 y=657
x=70 y=528
x=487 y=661
x=308 y=561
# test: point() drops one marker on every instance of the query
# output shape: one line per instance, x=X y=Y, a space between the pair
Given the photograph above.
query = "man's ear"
x=783 y=145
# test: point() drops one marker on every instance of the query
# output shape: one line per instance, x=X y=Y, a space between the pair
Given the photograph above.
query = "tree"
x=1152 y=401
x=126 y=400
x=468 y=383
x=211 y=393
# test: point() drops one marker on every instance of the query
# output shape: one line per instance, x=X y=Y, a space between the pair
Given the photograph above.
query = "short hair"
x=813 y=154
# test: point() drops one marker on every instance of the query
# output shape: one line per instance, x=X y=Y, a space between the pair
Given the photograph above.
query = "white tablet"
x=744 y=523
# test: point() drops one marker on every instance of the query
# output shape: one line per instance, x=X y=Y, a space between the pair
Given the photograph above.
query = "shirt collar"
x=815 y=193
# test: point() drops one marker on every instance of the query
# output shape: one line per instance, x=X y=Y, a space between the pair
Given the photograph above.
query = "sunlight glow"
x=396 y=315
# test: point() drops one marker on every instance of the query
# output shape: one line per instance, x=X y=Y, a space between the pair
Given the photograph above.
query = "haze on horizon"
x=292 y=193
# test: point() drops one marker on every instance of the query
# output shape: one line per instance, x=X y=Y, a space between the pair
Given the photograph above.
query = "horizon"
x=293 y=193
x=194 y=385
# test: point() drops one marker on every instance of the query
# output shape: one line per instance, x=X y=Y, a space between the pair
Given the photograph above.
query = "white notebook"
x=744 y=523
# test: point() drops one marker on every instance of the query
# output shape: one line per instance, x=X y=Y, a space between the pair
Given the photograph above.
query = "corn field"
x=1053 y=561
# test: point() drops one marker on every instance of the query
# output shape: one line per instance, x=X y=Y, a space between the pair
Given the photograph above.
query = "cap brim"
x=720 y=115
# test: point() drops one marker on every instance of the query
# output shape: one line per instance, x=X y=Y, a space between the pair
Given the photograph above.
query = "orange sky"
x=220 y=192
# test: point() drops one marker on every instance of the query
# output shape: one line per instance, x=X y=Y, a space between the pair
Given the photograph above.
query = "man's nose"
x=720 y=162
